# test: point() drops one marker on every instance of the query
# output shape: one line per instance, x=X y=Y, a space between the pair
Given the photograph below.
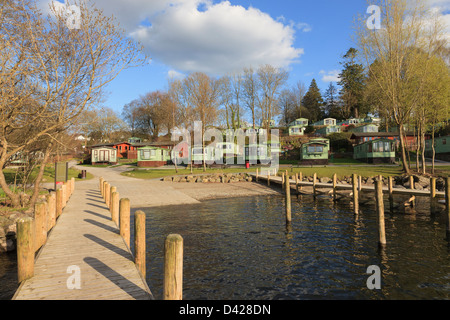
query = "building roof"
x=356 y=135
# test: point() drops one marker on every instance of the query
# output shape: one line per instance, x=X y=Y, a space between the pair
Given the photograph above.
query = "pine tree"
x=313 y=102
x=332 y=107
x=353 y=84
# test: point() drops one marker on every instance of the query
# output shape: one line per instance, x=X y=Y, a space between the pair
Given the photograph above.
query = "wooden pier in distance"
x=84 y=257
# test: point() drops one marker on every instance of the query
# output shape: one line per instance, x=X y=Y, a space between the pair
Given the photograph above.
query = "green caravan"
x=376 y=151
x=153 y=157
x=315 y=152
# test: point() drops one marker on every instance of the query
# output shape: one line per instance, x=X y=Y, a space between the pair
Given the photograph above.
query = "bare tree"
x=49 y=73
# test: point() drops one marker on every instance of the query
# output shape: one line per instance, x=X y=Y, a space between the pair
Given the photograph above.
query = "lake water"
x=241 y=249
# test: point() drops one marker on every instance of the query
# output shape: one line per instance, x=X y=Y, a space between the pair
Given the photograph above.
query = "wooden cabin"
x=104 y=155
x=315 y=152
x=376 y=151
x=295 y=131
x=153 y=157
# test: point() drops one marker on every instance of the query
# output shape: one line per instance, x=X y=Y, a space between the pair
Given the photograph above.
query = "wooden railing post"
x=40 y=223
x=115 y=207
x=59 y=203
x=288 y=201
x=432 y=194
x=101 y=180
x=380 y=211
x=314 y=184
x=139 y=241
x=124 y=217
x=334 y=186
x=51 y=206
x=355 y=193
x=25 y=249
x=111 y=191
x=447 y=205
x=173 y=267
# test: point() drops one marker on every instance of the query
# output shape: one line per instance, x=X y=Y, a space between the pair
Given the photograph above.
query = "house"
x=134 y=140
x=441 y=146
x=361 y=137
x=271 y=123
x=365 y=128
x=325 y=131
x=376 y=151
x=315 y=152
x=301 y=122
x=351 y=121
x=325 y=122
x=104 y=155
x=371 y=119
x=153 y=157
x=295 y=131
x=125 y=150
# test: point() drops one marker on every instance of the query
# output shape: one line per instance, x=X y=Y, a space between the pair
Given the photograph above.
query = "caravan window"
x=145 y=154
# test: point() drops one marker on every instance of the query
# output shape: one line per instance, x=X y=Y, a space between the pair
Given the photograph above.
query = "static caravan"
x=376 y=151
x=325 y=122
x=365 y=128
x=256 y=153
x=104 y=155
x=441 y=147
x=153 y=157
x=325 y=131
x=315 y=152
x=295 y=131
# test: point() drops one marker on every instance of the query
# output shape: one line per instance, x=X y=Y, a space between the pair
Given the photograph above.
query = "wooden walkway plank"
x=87 y=238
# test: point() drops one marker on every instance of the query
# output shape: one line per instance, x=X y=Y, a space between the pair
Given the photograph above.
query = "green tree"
x=313 y=101
x=332 y=106
x=353 y=84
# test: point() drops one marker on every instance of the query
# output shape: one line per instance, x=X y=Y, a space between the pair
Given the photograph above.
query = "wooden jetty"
x=342 y=187
x=84 y=258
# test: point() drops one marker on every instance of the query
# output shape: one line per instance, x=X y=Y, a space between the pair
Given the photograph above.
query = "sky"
x=307 y=38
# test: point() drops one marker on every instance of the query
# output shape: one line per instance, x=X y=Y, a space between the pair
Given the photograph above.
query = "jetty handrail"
x=32 y=233
x=173 y=256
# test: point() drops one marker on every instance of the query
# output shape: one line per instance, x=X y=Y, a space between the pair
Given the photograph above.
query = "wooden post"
x=288 y=201
x=300 y=178
x=380 y=211
x=59 y=205
x=411 y=182
x=111 y=191
x=359 y=183
x=68 y=190
x=73 y=184
x=334 y=186
x=51 y=206
x=257 y=174
x=432 y=195
x=25 y=249
x=63 y=195
x=101 y=185
x=115 y=207
x=391 y=193
x=282 y=181
x=314 y=184
x=104 y=190
x=139 y=242
x=296 y=183
x=107 y=194
x=124 y=223
x=173 y=267
x=355 y=193
x=447 y=205
x=268 y=178
x=40 y=223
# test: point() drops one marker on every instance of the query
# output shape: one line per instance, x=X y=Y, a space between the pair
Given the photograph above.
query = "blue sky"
x=308 y=38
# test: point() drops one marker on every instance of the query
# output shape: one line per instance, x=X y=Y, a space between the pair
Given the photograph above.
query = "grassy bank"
x=328 y=171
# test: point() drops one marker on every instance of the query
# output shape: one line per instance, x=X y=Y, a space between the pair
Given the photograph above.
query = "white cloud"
x=220 y=39
x=330 y=76
x=199 y=35
x=173 y=74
